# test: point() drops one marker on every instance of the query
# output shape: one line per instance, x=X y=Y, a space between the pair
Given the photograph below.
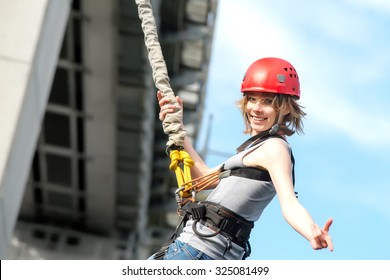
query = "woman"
x=262 y=168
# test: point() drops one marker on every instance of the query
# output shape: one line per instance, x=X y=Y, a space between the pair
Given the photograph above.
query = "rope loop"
x=175 y=159
x=181 y=164
x=186 y=159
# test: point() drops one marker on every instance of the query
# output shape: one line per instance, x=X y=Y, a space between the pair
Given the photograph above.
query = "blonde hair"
x=291 y=123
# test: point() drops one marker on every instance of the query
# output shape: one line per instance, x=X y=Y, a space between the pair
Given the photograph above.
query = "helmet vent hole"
x=285 y=69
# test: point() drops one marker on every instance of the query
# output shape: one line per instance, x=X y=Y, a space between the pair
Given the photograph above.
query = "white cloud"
x=362 y=125
x=382 y=6
x=249 y=32
x=332 y=75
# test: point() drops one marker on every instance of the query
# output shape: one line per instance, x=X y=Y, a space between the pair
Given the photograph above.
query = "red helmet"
x=272 y=75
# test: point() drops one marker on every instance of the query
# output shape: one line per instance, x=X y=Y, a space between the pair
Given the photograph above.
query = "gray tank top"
x=246 y=197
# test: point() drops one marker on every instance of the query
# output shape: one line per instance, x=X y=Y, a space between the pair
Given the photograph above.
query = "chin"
x=259 y=129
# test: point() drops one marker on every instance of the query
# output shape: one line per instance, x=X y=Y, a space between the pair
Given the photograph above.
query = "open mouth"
x=259 y=119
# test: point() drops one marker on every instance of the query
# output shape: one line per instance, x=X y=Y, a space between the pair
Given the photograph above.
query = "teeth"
x=259 y=119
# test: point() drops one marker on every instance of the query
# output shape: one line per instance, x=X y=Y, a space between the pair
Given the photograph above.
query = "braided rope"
x=172 y=124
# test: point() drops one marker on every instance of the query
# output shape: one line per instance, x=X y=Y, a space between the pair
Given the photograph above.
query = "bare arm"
x=275 y=158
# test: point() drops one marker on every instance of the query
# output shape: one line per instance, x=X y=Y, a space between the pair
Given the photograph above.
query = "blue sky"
x=341 y=50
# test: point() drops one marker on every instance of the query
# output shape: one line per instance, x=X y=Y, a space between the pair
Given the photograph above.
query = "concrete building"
x=83 y=168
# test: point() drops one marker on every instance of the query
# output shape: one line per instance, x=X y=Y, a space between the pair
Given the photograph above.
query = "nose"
x=257 y=106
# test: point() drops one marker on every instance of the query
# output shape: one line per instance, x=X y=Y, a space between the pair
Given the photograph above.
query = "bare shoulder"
x=273 y=149
x=274 y=146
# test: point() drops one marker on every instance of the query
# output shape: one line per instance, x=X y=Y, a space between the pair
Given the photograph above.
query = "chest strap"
x=253 y=172
x=246 y=172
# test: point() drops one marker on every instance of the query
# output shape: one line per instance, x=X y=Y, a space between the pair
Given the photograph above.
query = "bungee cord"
x=172 y=123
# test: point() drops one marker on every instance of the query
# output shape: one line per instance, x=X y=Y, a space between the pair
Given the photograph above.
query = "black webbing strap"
x=247 y=172
x=258 y=138
x=254 y=173
x=222 y=221
x=163 y=250
x=257 y=174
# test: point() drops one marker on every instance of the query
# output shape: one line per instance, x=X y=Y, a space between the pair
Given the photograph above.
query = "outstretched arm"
x=278 y=163
x=299 y=219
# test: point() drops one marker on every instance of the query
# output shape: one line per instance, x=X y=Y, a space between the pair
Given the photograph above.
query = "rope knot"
x=175 y=159
x=186 y=159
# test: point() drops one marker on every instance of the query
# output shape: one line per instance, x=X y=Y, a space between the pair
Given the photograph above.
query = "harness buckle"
x=198 y=211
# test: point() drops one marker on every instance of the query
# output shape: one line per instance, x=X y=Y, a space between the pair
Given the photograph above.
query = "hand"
x=165 y=105
x=320 y=237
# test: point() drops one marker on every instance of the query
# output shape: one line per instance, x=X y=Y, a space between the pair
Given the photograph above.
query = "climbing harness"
x=219 y=219
x=222 y=221
x=216 y=217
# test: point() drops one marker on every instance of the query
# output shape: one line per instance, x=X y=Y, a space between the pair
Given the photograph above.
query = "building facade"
x=97 y=182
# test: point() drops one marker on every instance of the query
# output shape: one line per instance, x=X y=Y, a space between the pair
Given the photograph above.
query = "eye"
x=251 y=99
x=267 y=101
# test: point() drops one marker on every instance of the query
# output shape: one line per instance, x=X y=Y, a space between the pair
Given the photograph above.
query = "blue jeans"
x=182 y=251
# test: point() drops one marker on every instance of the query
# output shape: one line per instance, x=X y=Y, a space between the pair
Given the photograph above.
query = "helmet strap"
x=275 y=128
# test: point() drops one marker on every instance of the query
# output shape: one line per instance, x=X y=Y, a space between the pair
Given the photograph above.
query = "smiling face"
x=259 y=111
